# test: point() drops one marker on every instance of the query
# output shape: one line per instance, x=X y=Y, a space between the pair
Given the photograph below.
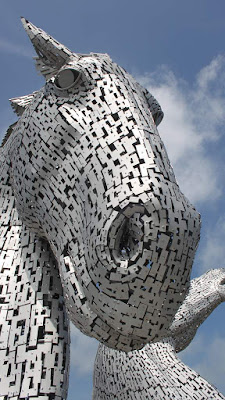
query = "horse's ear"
x=52 y=55
x=19 y=104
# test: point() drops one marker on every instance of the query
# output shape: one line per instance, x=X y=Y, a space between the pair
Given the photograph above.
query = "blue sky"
x=177 y=50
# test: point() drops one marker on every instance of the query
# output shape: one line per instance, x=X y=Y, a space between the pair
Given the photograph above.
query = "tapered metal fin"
x=19 y=104
x=52 y=55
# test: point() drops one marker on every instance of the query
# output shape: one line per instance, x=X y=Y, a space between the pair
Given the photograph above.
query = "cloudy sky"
x=176 y=49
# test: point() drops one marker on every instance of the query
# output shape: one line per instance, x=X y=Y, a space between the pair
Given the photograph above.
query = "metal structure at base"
x=155 y=372
x=94 y=227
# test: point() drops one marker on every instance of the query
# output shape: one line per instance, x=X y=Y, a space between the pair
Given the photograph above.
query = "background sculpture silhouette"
x=155 y=372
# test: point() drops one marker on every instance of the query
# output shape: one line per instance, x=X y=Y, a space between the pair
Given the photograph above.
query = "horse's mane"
x=18 y=104
x=8 y=133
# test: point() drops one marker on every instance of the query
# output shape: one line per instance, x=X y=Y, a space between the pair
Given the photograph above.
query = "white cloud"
x=194 y=116
x=13 y=48
x=83 y=351
x=212 y=254
x=211 y=73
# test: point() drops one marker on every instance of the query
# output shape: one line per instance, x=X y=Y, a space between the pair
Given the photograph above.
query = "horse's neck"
x=34 y=341
x=156 y=371
x=7 y=201
x=152 y=373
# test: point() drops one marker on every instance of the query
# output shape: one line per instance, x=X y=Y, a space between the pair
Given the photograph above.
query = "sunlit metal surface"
x=98 y=204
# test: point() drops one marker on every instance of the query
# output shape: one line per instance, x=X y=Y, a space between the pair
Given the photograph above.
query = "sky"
x=176 y=49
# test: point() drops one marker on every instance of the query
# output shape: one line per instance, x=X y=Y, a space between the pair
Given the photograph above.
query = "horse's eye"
x=66 y=78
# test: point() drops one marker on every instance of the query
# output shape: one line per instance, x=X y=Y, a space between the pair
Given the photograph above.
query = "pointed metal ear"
x=19 y=104
x=52 y=55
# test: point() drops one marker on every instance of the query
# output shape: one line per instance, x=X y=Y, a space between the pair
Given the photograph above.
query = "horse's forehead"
x=86 y=63
x=96 y=63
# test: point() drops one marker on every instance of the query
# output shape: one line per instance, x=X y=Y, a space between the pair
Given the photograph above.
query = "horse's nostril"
x=125 y=237
x=130 y=239
x=124 y=245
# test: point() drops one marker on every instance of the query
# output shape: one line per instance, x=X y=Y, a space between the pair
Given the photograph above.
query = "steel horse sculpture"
x=155 y=372
x=94 y=228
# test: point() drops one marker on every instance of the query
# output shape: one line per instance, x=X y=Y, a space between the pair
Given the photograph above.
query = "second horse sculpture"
x=155 y=372
x=93 y=224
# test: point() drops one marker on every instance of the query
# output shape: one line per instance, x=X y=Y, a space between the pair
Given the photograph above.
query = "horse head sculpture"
x=91 y=177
